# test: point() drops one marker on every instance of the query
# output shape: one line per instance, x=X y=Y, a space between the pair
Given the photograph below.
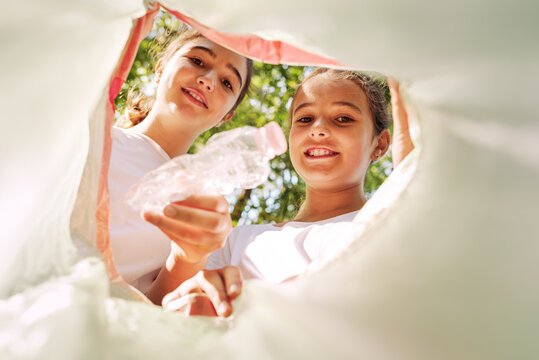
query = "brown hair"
x=375 y=95
x=138 y=105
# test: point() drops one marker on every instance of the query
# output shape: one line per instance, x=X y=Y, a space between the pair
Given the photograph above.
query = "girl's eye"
x=344 y=119
x=305 y=119
x=227 y=84
x=197 y=61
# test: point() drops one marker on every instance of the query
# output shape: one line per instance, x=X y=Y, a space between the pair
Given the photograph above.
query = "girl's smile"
x=318 y=152
x=196 y=97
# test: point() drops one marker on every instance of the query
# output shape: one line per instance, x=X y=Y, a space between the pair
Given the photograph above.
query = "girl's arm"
x=197 y=226
x=402 y=142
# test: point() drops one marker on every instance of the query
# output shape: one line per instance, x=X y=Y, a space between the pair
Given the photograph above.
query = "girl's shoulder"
x=126 y=137
x=123 y=139
x=243 y=235
x=242 y=231
x=133 y=145
x=347 y=217
x=252 y=230
x=121 y=134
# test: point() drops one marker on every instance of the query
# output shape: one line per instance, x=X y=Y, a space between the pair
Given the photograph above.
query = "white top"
x=276 y=253
x=139 y=248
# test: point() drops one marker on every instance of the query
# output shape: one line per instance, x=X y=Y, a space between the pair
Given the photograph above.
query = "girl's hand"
x=197 y=226
x=208 y=293
x=402 y=142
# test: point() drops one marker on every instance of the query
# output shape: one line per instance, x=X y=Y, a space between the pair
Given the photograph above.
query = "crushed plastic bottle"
x=237 y=158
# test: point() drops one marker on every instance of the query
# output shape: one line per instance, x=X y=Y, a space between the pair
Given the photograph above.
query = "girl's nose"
x=315 y=134
x=318 y=129
x=206 y=82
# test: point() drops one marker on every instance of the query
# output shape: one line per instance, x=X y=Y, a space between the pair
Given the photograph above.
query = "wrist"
x=175 y=271
x=190 y=255
x=175 y=260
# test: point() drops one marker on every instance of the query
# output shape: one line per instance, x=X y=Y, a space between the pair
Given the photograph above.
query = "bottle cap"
x=276 y=139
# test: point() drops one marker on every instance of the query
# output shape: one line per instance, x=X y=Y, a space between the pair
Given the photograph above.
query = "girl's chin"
x=320 y=170
x=328 y=179
x=320 y=180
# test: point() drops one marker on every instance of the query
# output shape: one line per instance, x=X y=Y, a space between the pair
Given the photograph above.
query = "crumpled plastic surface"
x=446 y=269
x=230 y=160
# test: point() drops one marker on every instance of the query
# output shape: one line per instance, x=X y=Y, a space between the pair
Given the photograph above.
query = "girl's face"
x=200 y=84
x=331 y=136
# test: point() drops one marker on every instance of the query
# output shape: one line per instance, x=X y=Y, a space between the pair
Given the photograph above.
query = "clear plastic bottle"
x=237 y=158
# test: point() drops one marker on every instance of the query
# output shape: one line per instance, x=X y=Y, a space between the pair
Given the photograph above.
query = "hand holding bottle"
x=197 y=226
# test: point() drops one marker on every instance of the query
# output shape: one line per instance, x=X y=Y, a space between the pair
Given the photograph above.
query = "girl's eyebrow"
x=340 y=103
x=348 y=104
x=229 y=65
x=302 y=106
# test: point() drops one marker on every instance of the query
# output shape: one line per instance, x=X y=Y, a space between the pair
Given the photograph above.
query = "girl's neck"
x=174 y=141
x=325 y=204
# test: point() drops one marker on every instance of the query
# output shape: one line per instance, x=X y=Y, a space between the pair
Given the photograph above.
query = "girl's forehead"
x=201 y=41
x=217 y=51
x=326 y=87
x=326 y=81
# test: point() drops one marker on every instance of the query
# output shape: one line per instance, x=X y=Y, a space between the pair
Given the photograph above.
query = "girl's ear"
x=225 y=118
x=383 y=141
x=159 y=67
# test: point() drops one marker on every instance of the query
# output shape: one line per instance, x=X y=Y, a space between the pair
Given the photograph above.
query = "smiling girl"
x=339 y=127
x=199 y=84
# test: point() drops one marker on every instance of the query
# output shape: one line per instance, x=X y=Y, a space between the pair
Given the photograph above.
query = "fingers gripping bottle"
x=237 y=158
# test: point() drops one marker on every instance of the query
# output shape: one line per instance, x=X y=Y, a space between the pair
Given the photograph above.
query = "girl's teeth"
x=196 y=97
x=319 y=152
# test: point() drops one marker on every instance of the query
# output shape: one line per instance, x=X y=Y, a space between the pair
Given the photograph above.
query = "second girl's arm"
x=197 y=226
x=402 y=142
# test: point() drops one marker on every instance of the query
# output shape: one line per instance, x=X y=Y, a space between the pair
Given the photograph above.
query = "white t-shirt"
x=139 y=248
x=276 y=253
